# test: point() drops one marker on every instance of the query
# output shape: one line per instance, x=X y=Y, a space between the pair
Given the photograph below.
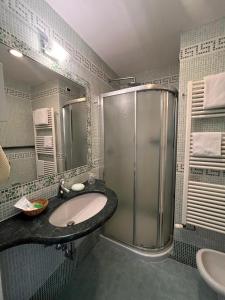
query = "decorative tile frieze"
x=51 y=92
x=207 y=172
x=17 y=93
x=20 y=155
x=46 y=185
x=196 y=171
x=172 y=79
x=60 y=155
x=206 y=47
x=180 y=167
x=45 y=93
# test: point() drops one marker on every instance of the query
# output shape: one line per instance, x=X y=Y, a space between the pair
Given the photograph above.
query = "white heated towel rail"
x=46 y=160
x=203 y=202
x=213 y=163
x=196 y=93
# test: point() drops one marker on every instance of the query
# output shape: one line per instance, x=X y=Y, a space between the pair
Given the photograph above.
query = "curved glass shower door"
x=139 y=164
x=119 y=153
x=155 y=161
x=147 y=168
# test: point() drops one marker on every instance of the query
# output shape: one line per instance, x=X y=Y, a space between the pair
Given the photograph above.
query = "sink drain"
x=70 y=223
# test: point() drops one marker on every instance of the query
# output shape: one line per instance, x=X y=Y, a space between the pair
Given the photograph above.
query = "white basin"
x=211 y=265
x=78 y=209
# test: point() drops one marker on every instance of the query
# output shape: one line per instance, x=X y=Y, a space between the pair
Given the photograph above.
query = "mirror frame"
x=65 y=70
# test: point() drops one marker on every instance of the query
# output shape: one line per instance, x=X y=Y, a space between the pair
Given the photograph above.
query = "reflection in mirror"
x=32 y=134
x=75 y=133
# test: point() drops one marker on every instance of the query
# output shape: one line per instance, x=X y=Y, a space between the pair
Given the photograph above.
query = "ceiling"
x=132 y=36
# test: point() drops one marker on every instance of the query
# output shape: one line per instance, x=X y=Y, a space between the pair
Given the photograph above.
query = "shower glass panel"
x=79 y=134
x=75 y=133
x=147 y=168
x=169 y=188
x=67 y=136
x=119 y=150
x=139 y=164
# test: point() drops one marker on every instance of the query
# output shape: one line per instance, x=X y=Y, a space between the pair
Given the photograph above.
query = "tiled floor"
x=113 y=273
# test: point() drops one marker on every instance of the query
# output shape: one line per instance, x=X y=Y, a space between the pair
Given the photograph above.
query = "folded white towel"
x=207 y=143
x=48 y=141
x=40 y=168
x=41 y=116
x=214 y=91
x=4 y=166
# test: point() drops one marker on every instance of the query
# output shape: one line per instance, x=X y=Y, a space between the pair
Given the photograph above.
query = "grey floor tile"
x=113 y=273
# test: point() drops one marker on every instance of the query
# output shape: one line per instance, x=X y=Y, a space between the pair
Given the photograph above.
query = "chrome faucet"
x=62 y=188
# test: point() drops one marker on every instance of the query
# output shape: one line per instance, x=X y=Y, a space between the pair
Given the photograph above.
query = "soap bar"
x=37 y=205
x=78 y=187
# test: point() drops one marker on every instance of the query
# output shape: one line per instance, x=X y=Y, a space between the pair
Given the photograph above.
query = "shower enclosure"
x=139 y=164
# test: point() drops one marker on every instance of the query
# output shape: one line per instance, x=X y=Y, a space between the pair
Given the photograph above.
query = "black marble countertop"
x=22 y=229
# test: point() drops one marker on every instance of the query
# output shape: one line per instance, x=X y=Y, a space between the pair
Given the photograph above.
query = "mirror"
x=45 y=130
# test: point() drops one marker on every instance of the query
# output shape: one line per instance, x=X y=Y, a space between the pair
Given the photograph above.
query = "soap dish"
x=37 y=211
x=77 y=187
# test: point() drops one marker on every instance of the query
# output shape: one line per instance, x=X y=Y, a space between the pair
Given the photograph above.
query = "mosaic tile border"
x=172 y=79
x=60 y=155
x=20 y=155
x=45 y=93
x=51 y=92
x=17 y=93
x=206 y=47
x=204 y=172
x=22 y=11
x=208 y=172
x=48 y=184
x=180 y=167
x=46 y=187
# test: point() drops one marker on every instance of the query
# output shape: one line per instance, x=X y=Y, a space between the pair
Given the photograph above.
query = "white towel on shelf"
x=207 y=144
x=214 y=91
x=40 y=168
x=41 y=116
x=48 y=141
x=4 y=166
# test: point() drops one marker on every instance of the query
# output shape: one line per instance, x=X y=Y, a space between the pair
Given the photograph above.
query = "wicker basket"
x=36 y=212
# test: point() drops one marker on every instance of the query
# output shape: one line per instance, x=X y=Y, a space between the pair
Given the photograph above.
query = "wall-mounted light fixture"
x=52 y=49
x=16 y=53
x=56 y=51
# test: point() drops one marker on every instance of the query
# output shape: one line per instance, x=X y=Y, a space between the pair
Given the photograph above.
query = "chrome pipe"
x=147 y=87
x=135 y=167
x=174 y=159
x=132 y=78
x=74 y=101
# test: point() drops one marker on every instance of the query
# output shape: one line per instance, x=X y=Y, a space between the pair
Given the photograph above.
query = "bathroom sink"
x=78 y=209
x=211 y=265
